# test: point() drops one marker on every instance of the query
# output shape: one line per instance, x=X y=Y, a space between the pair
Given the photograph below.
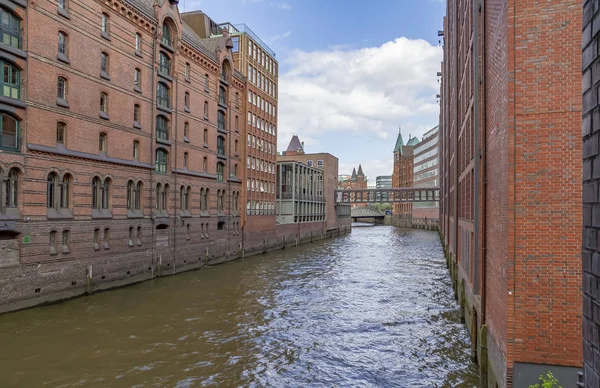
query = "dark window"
x=187 y=100
x=104 y=63
x=9 y=132
x=220 y=170
x=221 y=145
x=130 y=195
x=222 y=96
x=136 y=113
x=65 y=191
x=104 y=23
x=137 y=78
x=10 y=27
x=164 y=64
x=95 y=193
x=186 y=130
x=221 y=120
x=161 y=161
x=11 y=188
x=103 y=102
x=162 y=96
x=105 y=193
x=62 y=43
x=185 y=159
x=136 y=150
x=102 y=142
x=138 y=195
x=62 y=88
x=166 y=35
x=162 y=128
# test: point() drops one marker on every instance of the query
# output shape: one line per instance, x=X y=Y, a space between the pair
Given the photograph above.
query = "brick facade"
x=513 y=243
x=591 y=200
x=135 y=186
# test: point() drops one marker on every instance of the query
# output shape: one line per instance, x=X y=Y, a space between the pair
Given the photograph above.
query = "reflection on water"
x=370 y=309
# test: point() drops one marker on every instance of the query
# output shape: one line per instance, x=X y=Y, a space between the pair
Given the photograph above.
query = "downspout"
x=455 y=124
x=174 y=158
x=476 y=128
x=152 y=143
x=483 y=169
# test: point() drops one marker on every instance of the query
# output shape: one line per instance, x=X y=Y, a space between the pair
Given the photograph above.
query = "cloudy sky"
x=351 y=72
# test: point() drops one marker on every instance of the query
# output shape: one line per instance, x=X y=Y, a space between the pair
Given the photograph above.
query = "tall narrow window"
x=61 y=128
x=136 y=150
x=204 y=164
x=237 y=100
x=185 y=159
x=162 y=128
x=62 y=88
x=166 y=35
x=139 y=190
x=102 y=142
x=104 y=103
x=62 y=4
x=105 y=193
x=162 y=96
x=53 y=242
x=158 y=193
x=65 y=189
x=95 y=193
x=187 y=71
x=12 y=188
x=220 y=171
x=205 y=138
x=206 y=87
x=222 y=96
x=137 y=78
x=206 y=110
x=138 y=42
x=165 y=198
x=161 y=161
x=186 y=101
x=221 y=120
x=136 y=115
x=104 y=25
x=11 y=28
x=235 y=148
x=104 y=64
x=164 y=64
x=130 y=195
x=62 y=45
x=221 y=146
x=186 y=131
x=235 y=123
x=51 y=186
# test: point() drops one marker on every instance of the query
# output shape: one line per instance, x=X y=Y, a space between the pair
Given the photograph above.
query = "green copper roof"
x=399 y=143
x=413 y=141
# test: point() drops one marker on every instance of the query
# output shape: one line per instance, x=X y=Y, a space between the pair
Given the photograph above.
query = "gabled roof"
x=413 y=141
x=360 y=171
x=295 y=144
x=144 y=6
x=399 y=143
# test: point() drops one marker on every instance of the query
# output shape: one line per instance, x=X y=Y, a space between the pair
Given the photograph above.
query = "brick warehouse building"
x=510 y=217
x=403 y=173
x=591 y=201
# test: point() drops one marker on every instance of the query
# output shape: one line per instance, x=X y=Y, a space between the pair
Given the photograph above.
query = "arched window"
x=162 y=128
x=139 y=190
x=222 y=96
x=61 y=129
x=202 y=199
x=11 y=28
x=184 y=197
x=96 y=187
x=187 y=71
x=221 y=145
x=105 y=193
x=186 y=130
x=164 y=197
x=237 y=100
x=161 y=161
x=138 y=42
x=63 y=47
x=51 y=186
x=11 y=186
x=206 y=193
x=163 y=98
x=219 y=201
x=204 y=164
x=104 y=24
x=9 y=132
x=185 y=159
x=158 y=195
x=164 y=64
x=136 y=150
x=206 y=110
x=137 y=79
x=186 y=101
x=205 y=138
x=104 y=64
x=221 y=120
x=130 y=195
x=65 y=191
x=103 y=103
x=136 y=114
x=166 y=35
x=220 y=170
x=62 y=88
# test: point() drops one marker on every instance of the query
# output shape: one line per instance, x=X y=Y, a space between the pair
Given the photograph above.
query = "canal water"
x=371 y=309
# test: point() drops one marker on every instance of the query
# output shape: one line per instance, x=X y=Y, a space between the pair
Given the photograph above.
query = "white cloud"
x=368 y=91
x=281 y=5
x=275 y=38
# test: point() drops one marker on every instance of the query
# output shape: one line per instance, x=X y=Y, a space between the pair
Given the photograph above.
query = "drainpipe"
x=174 y=120
x=483 y=169
x=455 y=137
x=152 y=142
x=477 y=128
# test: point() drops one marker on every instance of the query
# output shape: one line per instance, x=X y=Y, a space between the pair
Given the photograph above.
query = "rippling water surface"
x=371 y=309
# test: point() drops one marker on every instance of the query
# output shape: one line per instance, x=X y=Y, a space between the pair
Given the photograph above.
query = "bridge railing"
x=429 y=194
